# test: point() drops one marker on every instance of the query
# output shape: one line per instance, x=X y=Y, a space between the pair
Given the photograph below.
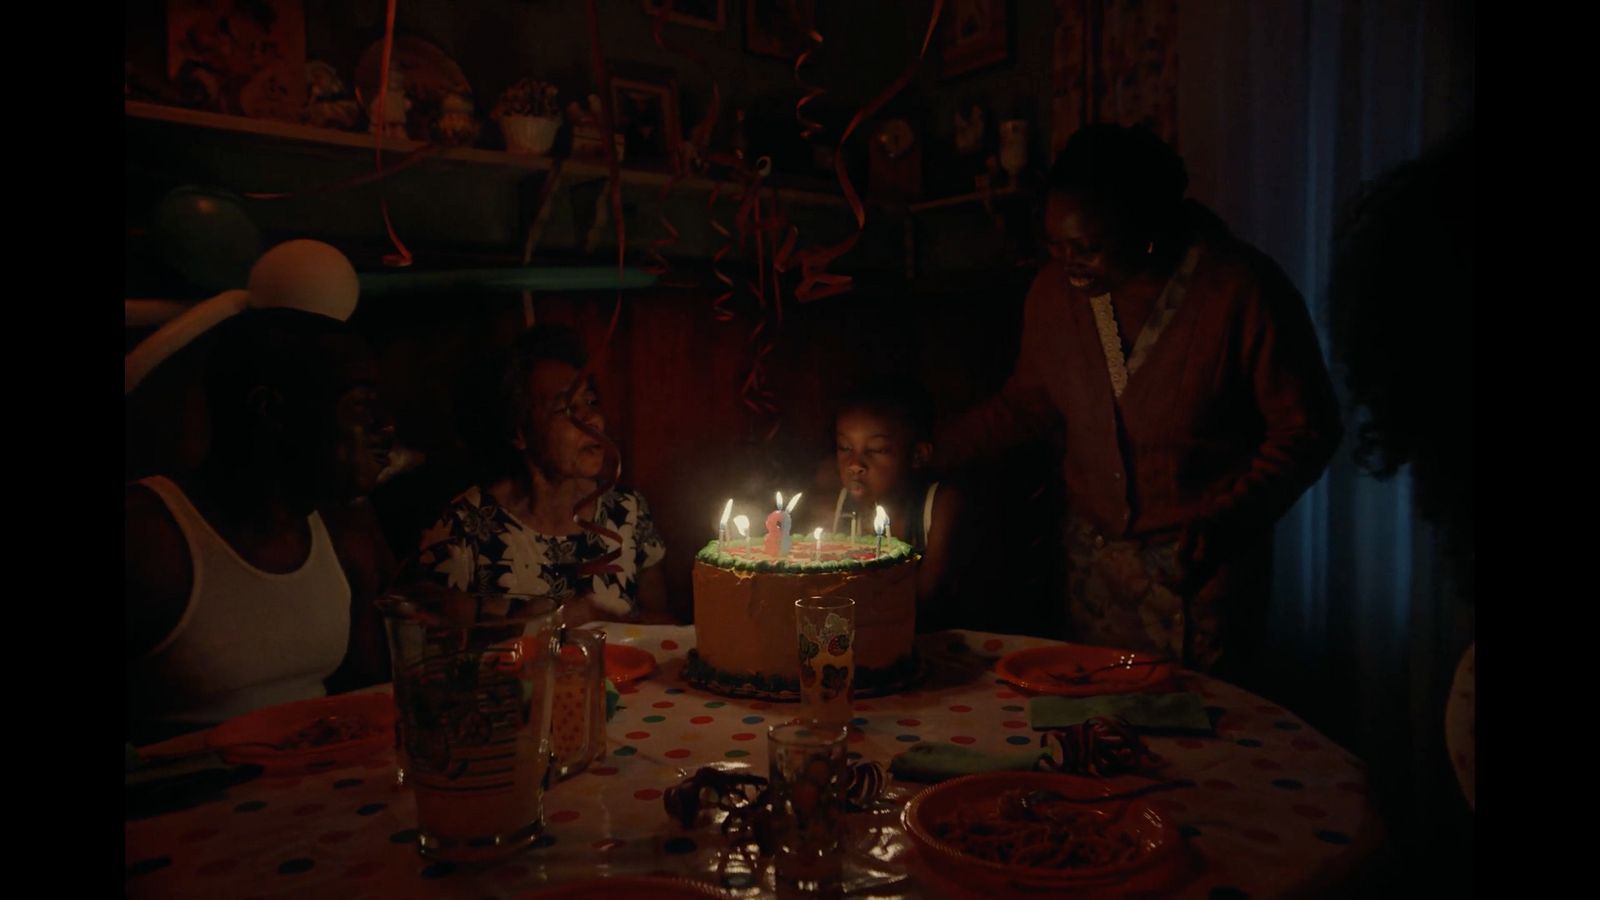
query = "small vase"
x=530 y=134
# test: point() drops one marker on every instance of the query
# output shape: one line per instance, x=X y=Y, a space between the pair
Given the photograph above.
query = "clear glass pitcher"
x=474 y=683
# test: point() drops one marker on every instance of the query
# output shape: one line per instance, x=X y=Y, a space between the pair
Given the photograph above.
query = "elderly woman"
x=1178 y=371
x=521 y=533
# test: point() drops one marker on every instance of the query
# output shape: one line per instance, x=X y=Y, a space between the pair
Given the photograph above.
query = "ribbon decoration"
x=424 y=152
x=402 y=255
x=611 y=467
x=1100 y=747
x=699 y=139
x=815 y=281
x=536 y=229
x=808 y=127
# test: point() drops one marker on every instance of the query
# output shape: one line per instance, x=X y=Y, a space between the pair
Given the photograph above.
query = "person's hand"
x=1196 y=555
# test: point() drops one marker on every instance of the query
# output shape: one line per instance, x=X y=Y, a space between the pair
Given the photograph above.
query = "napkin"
x=1182 y=711
x=931 y=763
x=613 y=697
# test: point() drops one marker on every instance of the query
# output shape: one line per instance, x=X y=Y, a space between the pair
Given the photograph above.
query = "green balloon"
x=206 y=237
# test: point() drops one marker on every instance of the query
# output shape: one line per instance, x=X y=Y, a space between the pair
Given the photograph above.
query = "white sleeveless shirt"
x=247 y=638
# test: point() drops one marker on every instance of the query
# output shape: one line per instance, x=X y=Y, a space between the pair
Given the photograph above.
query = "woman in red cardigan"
x=1179 y=374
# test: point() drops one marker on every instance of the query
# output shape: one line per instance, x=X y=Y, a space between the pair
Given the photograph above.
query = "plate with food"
x=309 y=735
x=1080 y=670
x=1010 y=831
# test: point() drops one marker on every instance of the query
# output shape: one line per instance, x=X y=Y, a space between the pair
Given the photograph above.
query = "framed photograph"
x=974 y=36
x=646 y=112
x=779 y=27
x=712 y=15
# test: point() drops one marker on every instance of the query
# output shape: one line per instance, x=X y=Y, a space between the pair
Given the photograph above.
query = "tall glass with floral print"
x=827 y=638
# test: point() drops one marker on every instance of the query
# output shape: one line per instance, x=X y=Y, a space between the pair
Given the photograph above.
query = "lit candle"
x=742 y=522
x=855 y=528
x=818 y=535
x=786 y=523
x=722 y=524
x=880 y=524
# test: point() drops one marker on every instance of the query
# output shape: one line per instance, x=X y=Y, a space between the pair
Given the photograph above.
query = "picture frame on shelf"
x=779 y=28
x=647 y=116
x=711 y=15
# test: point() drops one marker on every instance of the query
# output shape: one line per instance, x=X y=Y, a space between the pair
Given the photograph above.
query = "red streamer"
x=426 y=151
x=582 y=510
x=402 y=255
x=808 y=127
x=815 y=280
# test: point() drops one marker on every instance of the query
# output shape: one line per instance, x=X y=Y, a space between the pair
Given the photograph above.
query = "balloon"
x=299 y=274
x=206 y=237
x=307 y=275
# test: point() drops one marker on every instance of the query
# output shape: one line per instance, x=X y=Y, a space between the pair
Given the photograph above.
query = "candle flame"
x=817 y=534
x=880 y=521
x=742 y=522
x=726 y=511
x=780 y=499
x=793 y=502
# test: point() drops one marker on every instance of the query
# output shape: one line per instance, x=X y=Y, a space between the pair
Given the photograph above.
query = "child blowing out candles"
x=883 y=442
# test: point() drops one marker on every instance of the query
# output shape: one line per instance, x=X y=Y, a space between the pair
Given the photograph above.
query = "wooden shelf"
x=1009 y=190
x=575 y=169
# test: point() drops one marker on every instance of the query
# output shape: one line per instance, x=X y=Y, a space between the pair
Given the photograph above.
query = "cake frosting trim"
x=895 y=552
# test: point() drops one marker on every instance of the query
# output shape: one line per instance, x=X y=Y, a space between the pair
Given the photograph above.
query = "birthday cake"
x=744 y=612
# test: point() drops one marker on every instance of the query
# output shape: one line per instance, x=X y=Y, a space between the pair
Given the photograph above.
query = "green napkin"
x=1182 y=711
x=931 y=763
x=613 y=697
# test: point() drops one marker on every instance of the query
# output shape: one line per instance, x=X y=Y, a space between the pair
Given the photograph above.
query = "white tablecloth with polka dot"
x=1276 y=809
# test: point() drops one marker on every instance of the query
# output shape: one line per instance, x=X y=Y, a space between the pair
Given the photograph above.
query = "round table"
x=1276 y=807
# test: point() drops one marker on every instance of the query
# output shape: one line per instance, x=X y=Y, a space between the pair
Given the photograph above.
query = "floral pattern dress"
x=476 y=545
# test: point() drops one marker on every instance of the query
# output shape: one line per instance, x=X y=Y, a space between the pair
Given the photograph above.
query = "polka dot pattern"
x=1268 y=795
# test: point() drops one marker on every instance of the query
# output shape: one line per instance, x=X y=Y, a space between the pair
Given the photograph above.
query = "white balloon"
x=307 y=275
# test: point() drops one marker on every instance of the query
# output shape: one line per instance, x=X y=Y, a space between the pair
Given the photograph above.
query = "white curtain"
x=1285 y=108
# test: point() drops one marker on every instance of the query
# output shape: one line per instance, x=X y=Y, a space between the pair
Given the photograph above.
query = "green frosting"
x=895 y=551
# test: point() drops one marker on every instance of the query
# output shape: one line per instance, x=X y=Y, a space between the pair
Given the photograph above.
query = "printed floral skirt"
x=1121 y=593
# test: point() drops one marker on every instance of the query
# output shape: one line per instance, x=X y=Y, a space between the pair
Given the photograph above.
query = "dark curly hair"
x=492 y=398
x=1126 y=173
x=1403 y=292
x=545 y=341
x=896 y=398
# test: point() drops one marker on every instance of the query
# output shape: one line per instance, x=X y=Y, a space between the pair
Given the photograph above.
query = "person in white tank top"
x=237 y=593
x=883 y=446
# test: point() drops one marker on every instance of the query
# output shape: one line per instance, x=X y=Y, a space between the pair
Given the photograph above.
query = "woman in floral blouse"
x=519 y=533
